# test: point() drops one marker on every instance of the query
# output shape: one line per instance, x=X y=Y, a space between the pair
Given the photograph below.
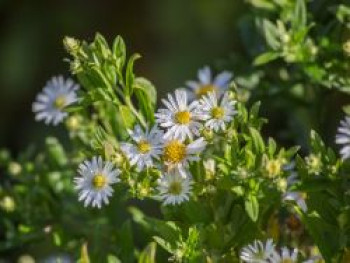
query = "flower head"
x=174 y=187
x=95 y=182
x=145 y=146
x=216 y=113
x=286 y=256
x=207 y=84
x=343 y=137
x=298 y=198
x=179 y=117
x=176 y=153
x=56 y=95
x=258 y=252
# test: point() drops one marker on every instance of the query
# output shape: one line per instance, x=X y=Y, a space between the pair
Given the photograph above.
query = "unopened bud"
x=26 y=259
x=14 y=168
x=71 y=44
x=8 y=204
x=73 y=123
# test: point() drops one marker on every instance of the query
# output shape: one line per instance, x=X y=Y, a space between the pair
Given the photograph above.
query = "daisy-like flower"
x=206 y=83
x=146 y=146
x=94 y=185
x=343 y=137
x=56 y=95
x=258 y=252
x=298 y=198
x=179 y=118
x=174 y=187
x=177 y=154
x=216 y=113
x=286 y=256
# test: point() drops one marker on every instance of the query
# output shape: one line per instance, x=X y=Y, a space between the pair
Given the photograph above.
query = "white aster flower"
x=298 y=198
x=286 y=256
x=216 y=113
x=206 y=83
x=343 y=137
x=179 y=118
x=56 y=95
x=146 y=146
x=174 y=187
x=258 y=252
x=177 y=153
x=94 y=185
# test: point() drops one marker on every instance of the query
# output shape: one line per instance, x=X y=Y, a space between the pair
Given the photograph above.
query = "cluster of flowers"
x=170 y=145
x=260 y=252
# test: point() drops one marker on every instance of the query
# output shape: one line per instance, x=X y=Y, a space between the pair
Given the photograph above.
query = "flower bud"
x=71 y=44
x=282 y=184
x=8 y=204
x=314 y=164
x=346 y=47
x=14 y=168
x=26 y=259
x=73 y=123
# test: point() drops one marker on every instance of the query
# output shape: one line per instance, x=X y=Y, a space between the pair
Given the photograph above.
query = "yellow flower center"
x=183 y=117
x=273 y=167
x=287 y=260
x=217 y=112
x=144 y=146
x=175 y=188
x=99 y=181
x=205 y=89
x=60 y=102
x=174 y=152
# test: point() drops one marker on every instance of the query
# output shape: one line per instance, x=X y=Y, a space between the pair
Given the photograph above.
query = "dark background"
x=175 y=38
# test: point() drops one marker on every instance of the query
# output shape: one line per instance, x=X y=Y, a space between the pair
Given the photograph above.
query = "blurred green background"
x=175 y=38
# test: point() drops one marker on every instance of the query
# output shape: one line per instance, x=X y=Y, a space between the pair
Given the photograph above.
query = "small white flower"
x=146 y=146
x=179 y=118
x=174 y=187
x=258 y=252
x=216 y=114
x=298 y=198
x=56 y=95
x=177 y=154
x=343 y=137
x=94 y=185
x=207 y=84
x=286 y=256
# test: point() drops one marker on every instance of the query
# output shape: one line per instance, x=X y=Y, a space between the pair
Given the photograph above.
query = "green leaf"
x=257 y=140
x=164 y=244
x=113 y=259
x=127 y=116
x=84 y=255
x=146 y=94
x=271 y=34
x=265 y=58
x=130 y=75
x=326 y=236
x=346 y=109
x=119 y=52
x=271 y=147
x=300 y=15
x=317 y=144
x=127 y=244
x=263 y=4
x=101 y=45
x=148 y=255
x=56 y=153
x=252 y=207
